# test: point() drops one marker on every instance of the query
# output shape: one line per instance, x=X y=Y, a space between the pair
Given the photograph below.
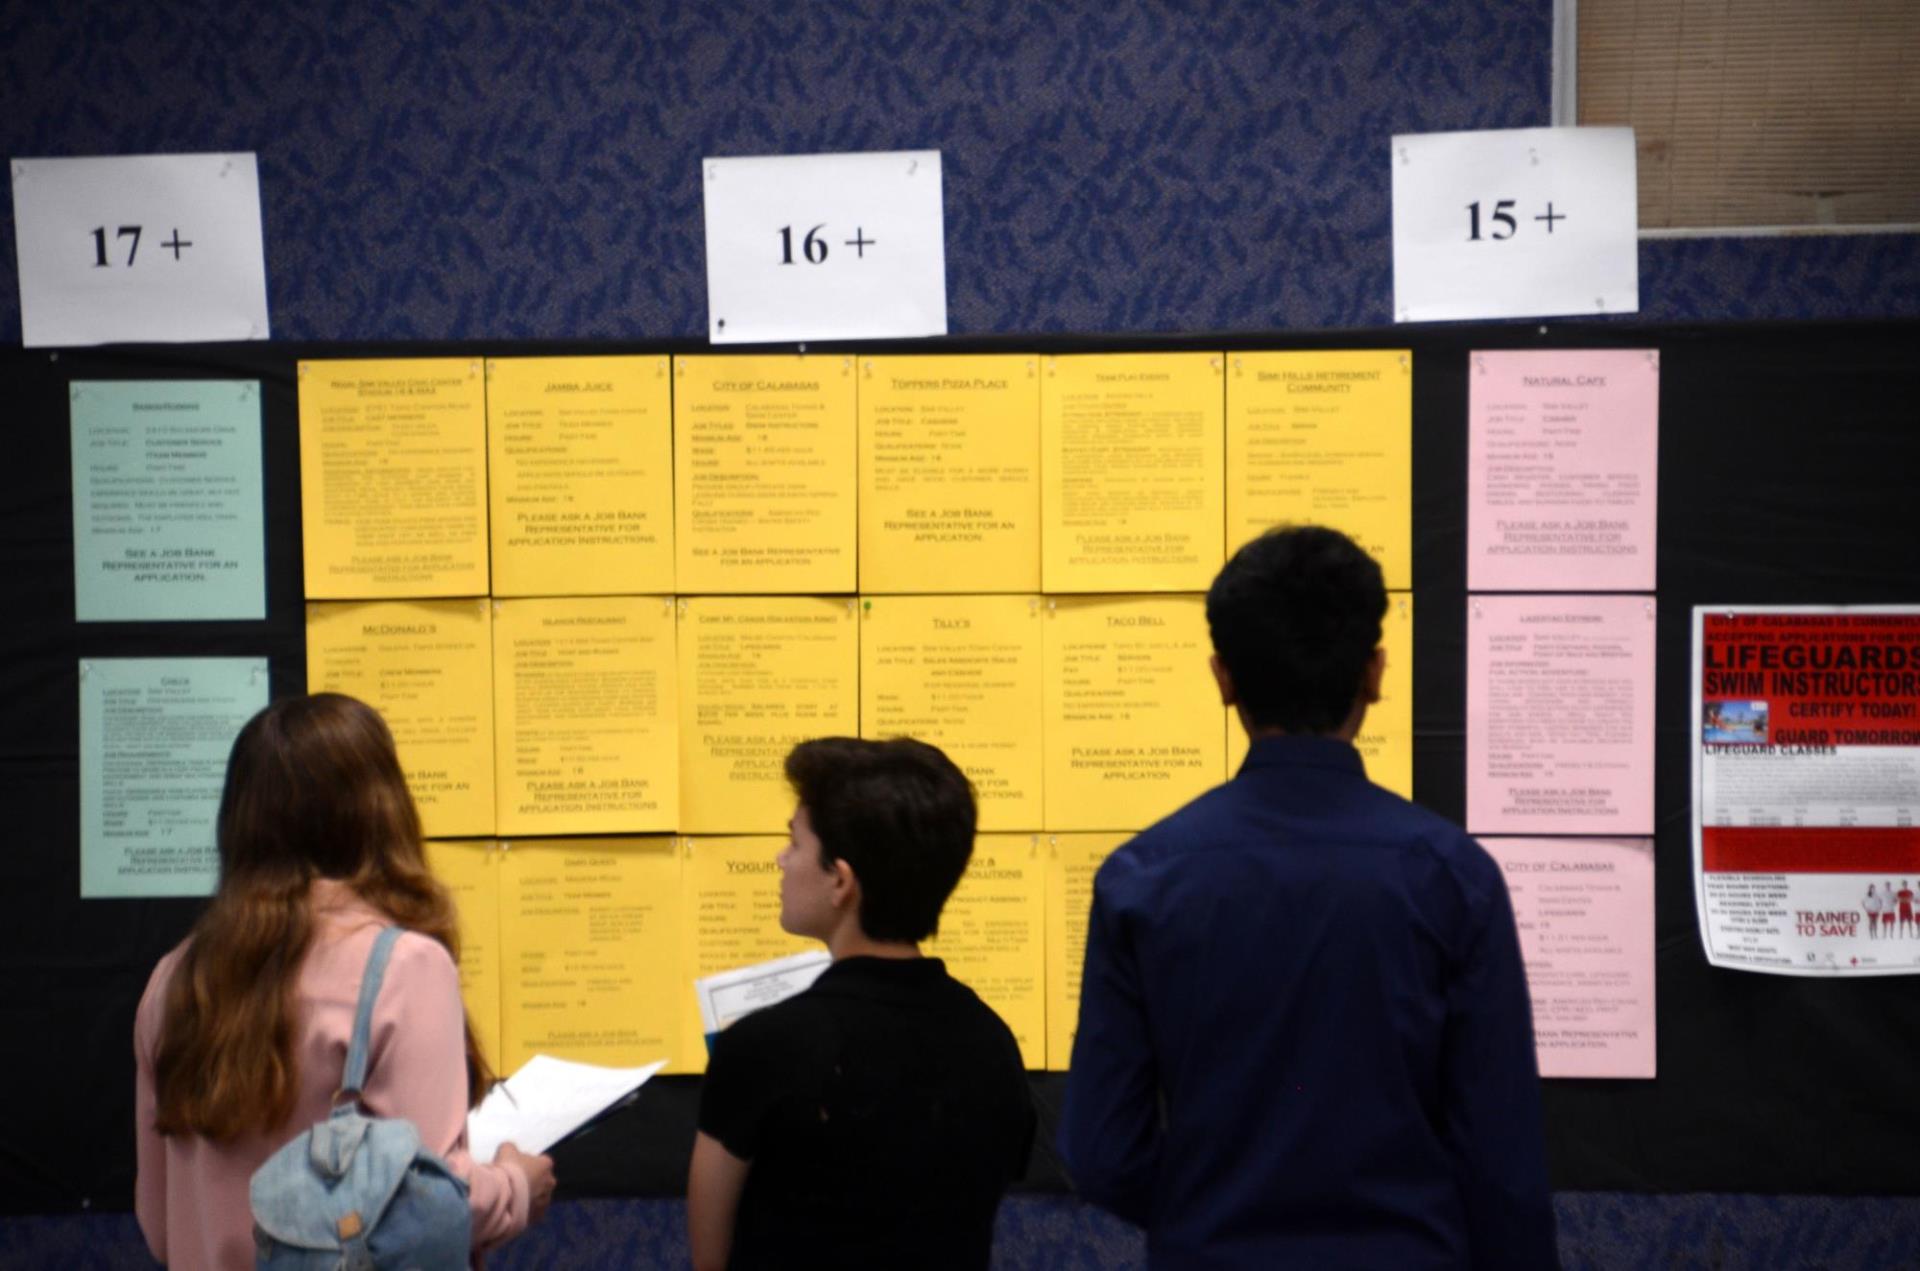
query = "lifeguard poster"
x=1806 y=785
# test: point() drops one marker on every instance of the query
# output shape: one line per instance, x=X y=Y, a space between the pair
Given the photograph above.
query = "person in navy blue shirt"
x=1305 y=1038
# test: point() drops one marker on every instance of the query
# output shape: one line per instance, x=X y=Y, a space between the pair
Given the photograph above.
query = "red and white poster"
x=1806 y=787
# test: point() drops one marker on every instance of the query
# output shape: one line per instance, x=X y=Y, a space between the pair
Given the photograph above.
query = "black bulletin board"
x=1789 y=473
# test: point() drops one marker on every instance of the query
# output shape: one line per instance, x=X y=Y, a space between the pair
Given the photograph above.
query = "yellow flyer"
x=427 y=667
x=963 y=673
x=1071 y=860
x=471 y=871
x=1134 y=725
x=730 y=897
x=993 y=936
x=393 y=478
x=589 y=943
x=758 y=675
x=588 y=737
x=763 y=474
x=1324 y=439
x=1385 y=742
x=1133 y=471
x=950 y=473
x=580 y=456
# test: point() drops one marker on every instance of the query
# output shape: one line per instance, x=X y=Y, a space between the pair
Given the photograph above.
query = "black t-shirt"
x=884 y=1110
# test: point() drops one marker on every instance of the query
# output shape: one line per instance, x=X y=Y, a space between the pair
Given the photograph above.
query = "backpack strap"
x=356 y=1074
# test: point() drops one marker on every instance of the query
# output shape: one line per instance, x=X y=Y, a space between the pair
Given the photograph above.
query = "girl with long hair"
x=241 y=1037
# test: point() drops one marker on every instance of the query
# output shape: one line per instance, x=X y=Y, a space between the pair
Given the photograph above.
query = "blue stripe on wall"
x=497 y=170
x=1599 y=1231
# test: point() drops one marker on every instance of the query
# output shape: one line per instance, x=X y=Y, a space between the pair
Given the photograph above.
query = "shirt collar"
x=880 y=977
x=335 y=900
x=1304 y=750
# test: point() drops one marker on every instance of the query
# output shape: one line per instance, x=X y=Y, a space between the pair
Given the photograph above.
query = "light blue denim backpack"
x=359 y=1193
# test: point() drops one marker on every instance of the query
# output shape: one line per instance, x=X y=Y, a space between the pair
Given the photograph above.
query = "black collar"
x=880 y=978
x=1304 y=750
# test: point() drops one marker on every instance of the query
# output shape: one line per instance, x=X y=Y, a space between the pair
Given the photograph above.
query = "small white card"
x=1521 y=223
x=729 y=995
x=825 y=247
x=143 y=248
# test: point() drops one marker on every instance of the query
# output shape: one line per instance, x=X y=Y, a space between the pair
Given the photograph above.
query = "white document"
x=547 y=1100
x=825 y=247
x=727 y=996
x=142 y=248
x=1518 y=223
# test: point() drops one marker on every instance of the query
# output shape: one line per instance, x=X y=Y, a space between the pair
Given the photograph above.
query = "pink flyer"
x=1585 y=912
x=1562 y=449
x=1560 y=714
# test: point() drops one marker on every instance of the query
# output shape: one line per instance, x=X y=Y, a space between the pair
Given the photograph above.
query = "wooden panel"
x=1760 y=112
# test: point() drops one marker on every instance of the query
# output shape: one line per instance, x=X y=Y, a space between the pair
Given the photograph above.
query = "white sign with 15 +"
x=1519 y=223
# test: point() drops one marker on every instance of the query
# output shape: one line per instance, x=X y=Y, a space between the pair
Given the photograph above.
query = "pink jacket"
x=191 y=1194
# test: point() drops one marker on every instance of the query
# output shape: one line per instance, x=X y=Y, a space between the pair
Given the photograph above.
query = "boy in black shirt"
x=875 y=1119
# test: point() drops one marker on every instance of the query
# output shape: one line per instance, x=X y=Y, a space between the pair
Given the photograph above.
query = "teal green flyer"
x=154 y=737
x=167 y=501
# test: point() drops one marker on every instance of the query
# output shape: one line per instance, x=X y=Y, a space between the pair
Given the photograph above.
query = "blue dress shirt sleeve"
x=1493 y=1090
x=1110 y=1124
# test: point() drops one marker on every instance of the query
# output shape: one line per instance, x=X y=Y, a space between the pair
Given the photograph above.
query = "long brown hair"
x=314 y=790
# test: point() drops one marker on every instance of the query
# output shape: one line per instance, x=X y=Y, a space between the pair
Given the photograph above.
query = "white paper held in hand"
x=162 y=248
x=547 y=1100
x=825 y=247
x=1516 y=223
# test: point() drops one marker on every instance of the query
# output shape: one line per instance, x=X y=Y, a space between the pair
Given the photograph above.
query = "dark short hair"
x=900 y=813
x=1295 y=616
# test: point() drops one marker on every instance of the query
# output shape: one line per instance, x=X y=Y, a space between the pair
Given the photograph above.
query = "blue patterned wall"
x=439 y=170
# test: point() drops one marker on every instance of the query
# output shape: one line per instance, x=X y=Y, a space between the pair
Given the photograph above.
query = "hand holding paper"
x=547 y=1100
